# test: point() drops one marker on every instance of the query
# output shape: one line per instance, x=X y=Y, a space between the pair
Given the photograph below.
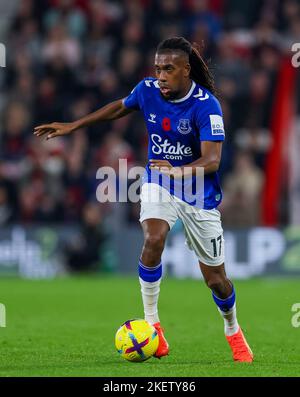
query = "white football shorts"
x=202 y=228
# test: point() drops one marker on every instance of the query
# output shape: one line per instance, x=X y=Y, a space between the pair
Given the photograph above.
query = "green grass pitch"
x=66 y=327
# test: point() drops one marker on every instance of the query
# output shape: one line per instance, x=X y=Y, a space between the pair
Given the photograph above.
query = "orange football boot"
x=163 y=346
x=240 y=349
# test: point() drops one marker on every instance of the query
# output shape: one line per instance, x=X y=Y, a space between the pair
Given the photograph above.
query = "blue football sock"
x=225 y=304
x=150 y=274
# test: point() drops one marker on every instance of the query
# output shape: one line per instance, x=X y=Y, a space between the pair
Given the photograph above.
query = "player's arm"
x=211 y=152
x=112 y=111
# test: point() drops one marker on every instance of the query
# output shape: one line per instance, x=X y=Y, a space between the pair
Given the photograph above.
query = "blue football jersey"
x=176 y=129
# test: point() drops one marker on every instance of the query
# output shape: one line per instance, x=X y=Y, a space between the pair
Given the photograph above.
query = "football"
x=136 y=340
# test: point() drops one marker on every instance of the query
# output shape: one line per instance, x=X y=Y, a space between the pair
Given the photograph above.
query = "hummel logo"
x=152 y=117
x=200 y=95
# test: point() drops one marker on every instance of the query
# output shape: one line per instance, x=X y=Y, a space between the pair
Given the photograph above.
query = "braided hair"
x=199 y=70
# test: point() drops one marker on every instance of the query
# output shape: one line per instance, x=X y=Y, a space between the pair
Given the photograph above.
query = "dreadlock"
x=199 y=70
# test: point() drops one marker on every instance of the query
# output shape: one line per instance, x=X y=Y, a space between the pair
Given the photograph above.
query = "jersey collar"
x=186 y=96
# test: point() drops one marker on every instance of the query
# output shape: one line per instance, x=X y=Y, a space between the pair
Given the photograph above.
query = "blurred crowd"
x=66 y=58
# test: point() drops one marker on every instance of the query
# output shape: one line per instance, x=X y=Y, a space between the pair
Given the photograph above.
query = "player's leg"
x=157 y=217
x=204 y=235
x=150 y=272
x=224 y=296
x=150 y=266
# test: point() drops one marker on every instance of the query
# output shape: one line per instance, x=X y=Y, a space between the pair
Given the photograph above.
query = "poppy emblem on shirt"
x=184 y=126
x=166 y=124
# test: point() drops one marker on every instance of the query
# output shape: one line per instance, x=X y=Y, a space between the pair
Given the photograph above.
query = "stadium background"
x=66 y=58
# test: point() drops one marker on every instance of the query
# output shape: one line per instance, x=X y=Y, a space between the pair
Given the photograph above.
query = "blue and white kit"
x=176 y=129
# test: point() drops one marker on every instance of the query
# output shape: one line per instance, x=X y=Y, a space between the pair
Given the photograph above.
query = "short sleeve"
x=209 y=121
x=134 y=99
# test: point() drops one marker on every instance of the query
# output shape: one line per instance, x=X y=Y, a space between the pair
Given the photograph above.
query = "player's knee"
x=154 y=242
x=152 y=249
x=217 y=284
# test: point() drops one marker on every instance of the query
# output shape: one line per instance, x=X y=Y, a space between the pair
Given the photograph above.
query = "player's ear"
x=187 y=70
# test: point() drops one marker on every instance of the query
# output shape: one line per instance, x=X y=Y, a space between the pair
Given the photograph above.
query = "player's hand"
x=54 y=129
x=165 y=168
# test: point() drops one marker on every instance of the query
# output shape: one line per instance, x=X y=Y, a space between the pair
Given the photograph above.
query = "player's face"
x=172 y=71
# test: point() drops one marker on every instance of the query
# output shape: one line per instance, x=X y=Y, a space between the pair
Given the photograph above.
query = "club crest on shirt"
x=184 y=126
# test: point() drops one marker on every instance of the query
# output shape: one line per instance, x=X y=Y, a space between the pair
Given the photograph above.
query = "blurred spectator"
x=59 y=44
x=6 y=210
x=48 y=106
x=59 y=71
x=256 y=141
x=75 y=186
x=133 y=34
x=29 y=200
x=109 y=84
x=68 y=14
x=242 y=188
x=257 y=104
x=129 y=67
x=49 y=210
x=201 y=17
x=165 y=19
x=24 y=13
x=13 y=150
x=113 y=149
x=24 y=88
x=84 y=252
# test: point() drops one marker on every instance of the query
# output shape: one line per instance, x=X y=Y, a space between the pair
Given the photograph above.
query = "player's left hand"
x=165 y=168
